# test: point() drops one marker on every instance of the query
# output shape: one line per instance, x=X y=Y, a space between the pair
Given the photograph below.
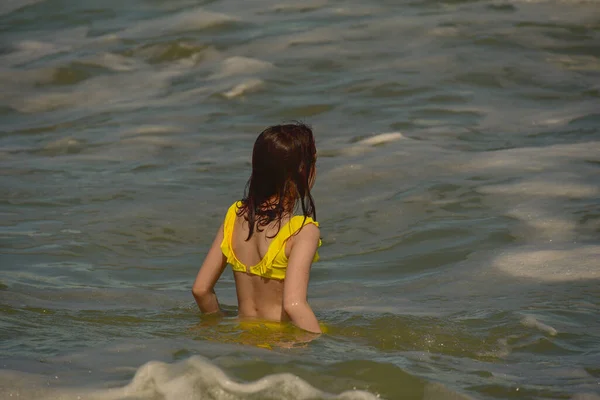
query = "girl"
x=269 y=249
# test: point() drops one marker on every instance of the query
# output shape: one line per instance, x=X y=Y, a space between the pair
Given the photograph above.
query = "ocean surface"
x=458 y=192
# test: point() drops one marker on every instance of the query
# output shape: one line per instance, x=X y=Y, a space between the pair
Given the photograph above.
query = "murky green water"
x=458 y=193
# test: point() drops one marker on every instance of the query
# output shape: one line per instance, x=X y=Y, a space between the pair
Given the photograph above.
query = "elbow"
x=200 y=292
x=292 y=307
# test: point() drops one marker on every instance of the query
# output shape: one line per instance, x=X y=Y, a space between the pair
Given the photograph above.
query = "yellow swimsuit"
x=274 y=263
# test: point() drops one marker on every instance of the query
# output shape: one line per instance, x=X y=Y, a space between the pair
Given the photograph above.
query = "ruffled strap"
x=228 y=224
x=265 y=265
x=278 y=243
x=296 y=223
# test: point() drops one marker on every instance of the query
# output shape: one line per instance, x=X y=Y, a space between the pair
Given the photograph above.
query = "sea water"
x=458 y=191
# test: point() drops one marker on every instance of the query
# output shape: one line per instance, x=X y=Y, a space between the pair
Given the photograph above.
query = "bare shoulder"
x=310 y=232
x=308 y=235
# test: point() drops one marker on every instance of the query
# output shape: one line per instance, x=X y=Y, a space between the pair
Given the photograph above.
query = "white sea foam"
x=150 y=140
x=532 y=322
x=126 y=90
x=246 y=87
x=545 y=222
x=151 y=130
x=17 y=78
x=188 y=20
x=549 y=176
x=381 y=139
x=532 y=159
x=182 y=380
x=27 y=50
x=357 y=10
x=551 y=264
x=234 y=66
x=315 y=37
x=544 y=188
x=8 y=6
x=115 y=62
x=367 y=144
x=194 y=378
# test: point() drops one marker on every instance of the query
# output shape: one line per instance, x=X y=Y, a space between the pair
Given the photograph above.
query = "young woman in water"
x=270 y=249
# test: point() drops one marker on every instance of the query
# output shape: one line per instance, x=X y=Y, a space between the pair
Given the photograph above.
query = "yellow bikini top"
x=274 y=263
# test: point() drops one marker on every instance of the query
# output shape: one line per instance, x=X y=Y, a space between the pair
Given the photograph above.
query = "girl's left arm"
x=210 y=272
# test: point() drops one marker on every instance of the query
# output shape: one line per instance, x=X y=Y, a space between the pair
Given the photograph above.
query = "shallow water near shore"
x=458 y=192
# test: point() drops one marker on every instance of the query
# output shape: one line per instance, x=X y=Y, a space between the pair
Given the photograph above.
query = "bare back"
x=271 y=269
x=258 y=297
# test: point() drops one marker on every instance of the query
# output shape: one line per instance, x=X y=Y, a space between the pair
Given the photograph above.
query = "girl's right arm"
x=297 y=276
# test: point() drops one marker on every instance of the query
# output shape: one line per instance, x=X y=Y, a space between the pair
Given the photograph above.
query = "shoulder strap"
x=228 y=224
x=278 y=242
x=288 y=230
x=296 y=223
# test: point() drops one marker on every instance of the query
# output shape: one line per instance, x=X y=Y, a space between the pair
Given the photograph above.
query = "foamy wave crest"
x=27 y=50
x=242 y=66
x=551 y=264
x=194 y=378
x=115 y=62
x=532 y=322
x=8 y=6
x=128 y=90
x=186 y=21
x=198 y=378
x=365 y=145
x=249 y=86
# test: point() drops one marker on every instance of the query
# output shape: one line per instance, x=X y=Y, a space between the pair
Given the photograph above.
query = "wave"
x=193 y=378
x=9 y=6
x=185 y=21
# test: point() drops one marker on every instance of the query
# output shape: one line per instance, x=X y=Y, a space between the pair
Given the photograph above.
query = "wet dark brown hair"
x=283 y=162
